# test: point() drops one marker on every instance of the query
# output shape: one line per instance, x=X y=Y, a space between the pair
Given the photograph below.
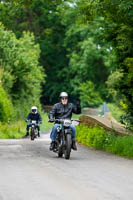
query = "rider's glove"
x=26 y=120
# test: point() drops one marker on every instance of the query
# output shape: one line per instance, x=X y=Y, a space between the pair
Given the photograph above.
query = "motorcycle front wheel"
x=68 y=146
x=32 y=134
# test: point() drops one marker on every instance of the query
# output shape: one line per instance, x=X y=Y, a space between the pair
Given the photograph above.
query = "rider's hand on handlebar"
x=26 y=120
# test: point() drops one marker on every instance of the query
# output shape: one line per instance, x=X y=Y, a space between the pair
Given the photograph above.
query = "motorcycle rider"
x=63 y=110
x=33 y=115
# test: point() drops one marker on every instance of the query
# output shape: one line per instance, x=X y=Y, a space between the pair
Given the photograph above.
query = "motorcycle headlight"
x=67 y=123
x=33 y=121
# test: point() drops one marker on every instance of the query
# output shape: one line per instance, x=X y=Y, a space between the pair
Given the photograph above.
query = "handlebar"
x=33 y=120
x=62 y=120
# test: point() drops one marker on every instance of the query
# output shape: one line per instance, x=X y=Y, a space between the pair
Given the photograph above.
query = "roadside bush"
x=94 y=137
x=20 y=72
x=6 y=107
x=18 y=129
x=127 y=120
x=122 y=146
x=99 y=138
x=116 y=110
x=13 y=130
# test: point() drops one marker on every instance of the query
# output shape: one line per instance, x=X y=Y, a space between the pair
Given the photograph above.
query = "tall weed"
x=18 y=129
x=99 y=138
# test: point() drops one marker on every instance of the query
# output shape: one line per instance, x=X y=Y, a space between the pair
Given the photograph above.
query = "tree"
x=42 y=18
x=88 y=94
x=90 y=56
x=21 y=74
x=6 y=107
x=71 y=38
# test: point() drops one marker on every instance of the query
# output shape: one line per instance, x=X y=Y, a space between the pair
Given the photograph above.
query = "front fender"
x=68 y=131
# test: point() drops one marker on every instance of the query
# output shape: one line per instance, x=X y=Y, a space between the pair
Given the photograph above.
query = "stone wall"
x=108 y=125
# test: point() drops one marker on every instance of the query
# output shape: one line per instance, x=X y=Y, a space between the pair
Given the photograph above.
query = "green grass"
x=45 y=126
x=76 y=116
x=98 y=138
x=18 y=129
x=12 y=130
x=122 y=146
x=115 y=111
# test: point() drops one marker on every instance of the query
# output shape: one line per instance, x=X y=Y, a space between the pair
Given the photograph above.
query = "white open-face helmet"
x=63 y=94
x=34 y=109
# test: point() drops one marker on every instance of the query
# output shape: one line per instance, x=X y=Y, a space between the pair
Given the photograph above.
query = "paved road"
x=29 y=171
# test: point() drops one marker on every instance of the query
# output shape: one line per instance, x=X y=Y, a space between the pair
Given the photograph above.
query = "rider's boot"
x=74 y=147
x=52 y=146
x=27 y=134
x=38 y=133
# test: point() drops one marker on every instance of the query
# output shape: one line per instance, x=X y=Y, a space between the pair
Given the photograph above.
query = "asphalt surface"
x=29 y=171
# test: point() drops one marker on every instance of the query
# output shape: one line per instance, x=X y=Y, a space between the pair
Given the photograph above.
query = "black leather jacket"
x=60 y=111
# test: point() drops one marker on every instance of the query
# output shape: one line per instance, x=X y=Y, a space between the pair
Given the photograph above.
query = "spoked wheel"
x=68 y=146
x=32 y=134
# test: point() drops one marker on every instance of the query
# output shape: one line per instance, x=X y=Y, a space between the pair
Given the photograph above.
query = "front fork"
x=62 y=136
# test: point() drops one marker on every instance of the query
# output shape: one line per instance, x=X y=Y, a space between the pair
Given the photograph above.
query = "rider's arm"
x=52 y=112
x=39 y=117
x=77 y=108
x=28 y=117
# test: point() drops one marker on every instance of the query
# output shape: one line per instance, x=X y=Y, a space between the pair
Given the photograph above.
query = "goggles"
x=64 y=98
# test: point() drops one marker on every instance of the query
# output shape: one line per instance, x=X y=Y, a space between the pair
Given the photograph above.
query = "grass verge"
x=115 y=111
x=100 y=139
x=18 y=129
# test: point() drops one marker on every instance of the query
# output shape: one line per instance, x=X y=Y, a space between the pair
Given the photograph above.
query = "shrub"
x=99 y=138
x=6 y=107
x=122 y=146
x=127 y=120
x=18 y=129
x=13 y=130
x=94 y=137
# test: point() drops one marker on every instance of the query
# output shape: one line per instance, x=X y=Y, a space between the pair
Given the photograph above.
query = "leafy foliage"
x=117 y=30
x=20 y=72
x=116 y=111
x=88 y=95
x=80 y=41
x=18 y=129
x=122 y=146
x=6 y=107
x=71 y=49
x=93 y=137
x=127 y=120
x=12 y=130
x=98 y=138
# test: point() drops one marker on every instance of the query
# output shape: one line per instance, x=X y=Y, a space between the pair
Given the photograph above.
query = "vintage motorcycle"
x=34 y=129
x=63 y=144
